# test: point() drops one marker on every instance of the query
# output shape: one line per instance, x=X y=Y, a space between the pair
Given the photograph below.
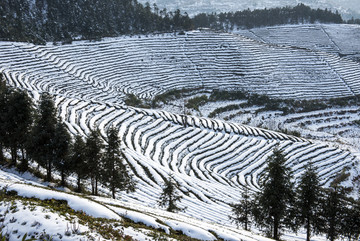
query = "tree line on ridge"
x=42 y=21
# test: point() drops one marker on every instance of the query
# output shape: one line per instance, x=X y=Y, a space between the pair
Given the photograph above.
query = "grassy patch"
x=107 y=228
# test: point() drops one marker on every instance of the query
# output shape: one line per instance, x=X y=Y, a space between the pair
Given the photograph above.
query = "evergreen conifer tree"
x=78 y=161
x=40 y=146
x=115 y=173
x=242 y=211
x=62 y=144
x=334 y=207
x=170 y=196
x=276 y=199
x=3 y=110
x=351 y=222
x=93 y=152
x=308 y=201
x=19 y=118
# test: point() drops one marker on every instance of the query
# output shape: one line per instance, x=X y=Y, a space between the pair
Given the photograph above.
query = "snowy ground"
x=211 y=159
x=22 y=216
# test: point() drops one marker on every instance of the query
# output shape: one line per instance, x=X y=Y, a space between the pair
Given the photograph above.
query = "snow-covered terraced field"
x=337 y=125
x=211 y=160
x=340 y=39
x=149 y=65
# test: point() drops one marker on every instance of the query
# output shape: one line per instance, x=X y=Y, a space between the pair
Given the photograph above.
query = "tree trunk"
x=24 y=166
x=96 y=186
x=78 y=184
x=23 y=154
x=308 y=230
x=113 y=191
x=13 y=156
x=1 y=154
x=92 y=186
x=276 y=229
x=63 y=178
x=48 y=172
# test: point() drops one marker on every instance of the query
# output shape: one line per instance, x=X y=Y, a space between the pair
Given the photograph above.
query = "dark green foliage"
x=132 y=100
x=287 y=106
x=62 y=144
x=4 y=92
x=335 y=207
x=275 y=201
x=218 y=95
x=265 y=17
x=308 y=202
x=115 y=174
x=15 y=120
x=354 y=21
x=93 y=152
x=357 y=122
x=242 y=211
x=219 y=110
x=172 y=95
x=196 y=102
x=78 y=161
x=56 y=20
x=351 y=221
x=41 y=145
x=169 y=196
x=18 y=121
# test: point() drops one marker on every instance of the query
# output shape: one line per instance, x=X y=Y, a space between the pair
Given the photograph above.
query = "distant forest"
x=40 y=21
x=266 y=17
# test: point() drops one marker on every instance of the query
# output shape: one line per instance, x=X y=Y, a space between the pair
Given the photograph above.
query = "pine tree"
x=115 y=174
x=78 y=161
x=40 y=146
x=19 y=118
x=334 y=207
x=308 y=201
x=93 y=152
x=62 y=143
x=4 y=92
x=170 y=196
x=351 y=222
x=242 y=211
x=276 y=199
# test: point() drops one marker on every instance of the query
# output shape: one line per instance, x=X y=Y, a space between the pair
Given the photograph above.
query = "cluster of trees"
x=39 y=21
x=39 y=135
x=265 y=17
x=282 y=204
x=62 y=20
x=353 y=21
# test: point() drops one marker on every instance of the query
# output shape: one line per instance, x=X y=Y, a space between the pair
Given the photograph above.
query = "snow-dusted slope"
x=22 y=216
x=212 y=160
x=150 y=65
x=338 y=39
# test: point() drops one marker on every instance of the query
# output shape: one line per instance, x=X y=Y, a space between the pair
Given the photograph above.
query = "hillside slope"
x=149 y=65
x=338 y=39
x=211 y=160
